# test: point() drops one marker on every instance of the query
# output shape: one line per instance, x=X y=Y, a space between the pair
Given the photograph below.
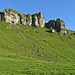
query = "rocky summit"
x=36 y=20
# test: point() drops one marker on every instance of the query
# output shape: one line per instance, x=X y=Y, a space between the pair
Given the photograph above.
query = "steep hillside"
x=28 y=50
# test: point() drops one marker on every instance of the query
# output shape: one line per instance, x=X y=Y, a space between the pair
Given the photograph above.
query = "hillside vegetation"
x=28 y=50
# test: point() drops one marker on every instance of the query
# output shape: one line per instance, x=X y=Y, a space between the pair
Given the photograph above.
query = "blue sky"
x=51 y=9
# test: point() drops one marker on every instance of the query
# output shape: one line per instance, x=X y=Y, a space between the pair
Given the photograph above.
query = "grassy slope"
x=33 y=51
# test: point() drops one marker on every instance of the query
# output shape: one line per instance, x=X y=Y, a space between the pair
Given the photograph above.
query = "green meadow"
x=27 y=50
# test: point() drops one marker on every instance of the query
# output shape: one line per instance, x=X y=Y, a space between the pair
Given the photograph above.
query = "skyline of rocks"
x=36 y=20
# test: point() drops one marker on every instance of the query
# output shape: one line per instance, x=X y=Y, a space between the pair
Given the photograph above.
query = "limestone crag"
x=22 y=19
x=38 y=20
x=57 y=24
x=29 y=19
x=60 y=24
x=35 y=20
x=12 y=16
x=41 y=20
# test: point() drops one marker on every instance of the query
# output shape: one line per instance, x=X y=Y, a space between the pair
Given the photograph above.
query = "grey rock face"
x=60 y=24
x=41 y=20
x=22 y=19
x=11 y=17
x=52 y=24
x=28 y=20
x=38 y=20
x=1 y=16
x=25 y=19
x=56 y=24
x=35 y=20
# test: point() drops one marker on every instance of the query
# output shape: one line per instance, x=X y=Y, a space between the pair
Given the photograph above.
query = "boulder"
x=53 y=30
x=52 y=24
x=25 y=19
x=12 y=16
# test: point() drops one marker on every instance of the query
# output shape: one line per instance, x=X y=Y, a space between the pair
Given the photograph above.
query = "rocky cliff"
x=12 y=16
x=36 y=20
x=57 y=25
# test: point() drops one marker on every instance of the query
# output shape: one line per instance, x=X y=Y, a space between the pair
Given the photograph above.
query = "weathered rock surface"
x=63 y=32
x=38 y=20
x=22 y=19
x=28 y=20
x=60 y=24
x=1 y=16
x=56 y=24
x=12 y=16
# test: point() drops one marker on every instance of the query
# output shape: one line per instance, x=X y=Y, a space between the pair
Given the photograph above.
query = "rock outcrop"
x=60 y=24
x=56 y=24
x=36 y=20
x=29 y=19
x=12 y=16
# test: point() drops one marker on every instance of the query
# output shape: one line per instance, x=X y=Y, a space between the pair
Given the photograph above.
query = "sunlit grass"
x=28 y=50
